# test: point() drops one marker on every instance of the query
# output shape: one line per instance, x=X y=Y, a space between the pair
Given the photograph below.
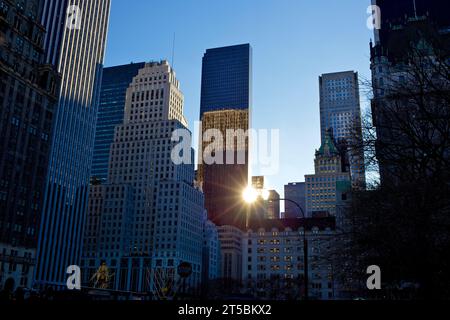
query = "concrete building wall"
x=273 y=265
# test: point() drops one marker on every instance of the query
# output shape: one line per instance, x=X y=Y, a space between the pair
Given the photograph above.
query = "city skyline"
x=161 y=177
x=299 y=62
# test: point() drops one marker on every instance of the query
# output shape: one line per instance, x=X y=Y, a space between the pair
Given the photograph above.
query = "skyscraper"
x=223 y=183
x=153 y=214
x=226 y=79
x=340 y=111
x=110 y=113
x=28 y=95
x=226 y=105
x=399 y=11
x=75 y=43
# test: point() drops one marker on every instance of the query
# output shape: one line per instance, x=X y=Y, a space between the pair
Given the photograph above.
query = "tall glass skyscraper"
x=226 y=105
x=111 y=113
x=226 y=79
x=75 y=43
x=340 y=111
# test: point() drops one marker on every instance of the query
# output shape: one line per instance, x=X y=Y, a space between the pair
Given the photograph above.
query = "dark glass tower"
x=226 y=79
x=226 y=104
x=77 y=50
x=111 y=113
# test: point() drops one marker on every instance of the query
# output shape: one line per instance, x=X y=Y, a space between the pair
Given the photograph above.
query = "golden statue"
x=102 y=277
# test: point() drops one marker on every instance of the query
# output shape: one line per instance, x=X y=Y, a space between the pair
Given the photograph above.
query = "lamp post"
x=252 y=194
x=305 y=244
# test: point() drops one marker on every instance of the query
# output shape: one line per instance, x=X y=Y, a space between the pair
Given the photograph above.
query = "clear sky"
x=294 y=41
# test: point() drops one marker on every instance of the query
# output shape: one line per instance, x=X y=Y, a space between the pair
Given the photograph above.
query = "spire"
x=328 y=146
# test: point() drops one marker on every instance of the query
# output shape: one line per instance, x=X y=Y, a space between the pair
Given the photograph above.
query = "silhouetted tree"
x=403 y=224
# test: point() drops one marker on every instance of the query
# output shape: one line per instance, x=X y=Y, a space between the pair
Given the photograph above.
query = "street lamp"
x=251 y=195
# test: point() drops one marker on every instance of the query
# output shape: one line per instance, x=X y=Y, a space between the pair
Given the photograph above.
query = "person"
x=7 y=293
x=19 y=294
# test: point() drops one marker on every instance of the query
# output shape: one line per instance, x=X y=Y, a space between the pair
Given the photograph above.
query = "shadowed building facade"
x=224 y=182
x=405 y=25
x=395 y=13
x=273 y=207
x=28 y=96
x=294 y=191
x=115 y=82
x=75 y=44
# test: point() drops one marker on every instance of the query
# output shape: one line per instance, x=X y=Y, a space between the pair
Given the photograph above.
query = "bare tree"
x=403 y=224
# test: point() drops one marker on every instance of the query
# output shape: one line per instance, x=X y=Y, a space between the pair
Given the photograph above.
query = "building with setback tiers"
x=152 y=216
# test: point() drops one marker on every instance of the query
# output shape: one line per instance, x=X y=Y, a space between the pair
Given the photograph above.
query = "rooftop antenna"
x=173 y=51
x=415 y=8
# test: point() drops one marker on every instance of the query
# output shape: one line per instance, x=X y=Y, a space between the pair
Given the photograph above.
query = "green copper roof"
x=343 y=186
x=328 y=147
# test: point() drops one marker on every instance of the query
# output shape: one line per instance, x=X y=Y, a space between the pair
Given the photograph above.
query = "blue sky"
x=294 y=41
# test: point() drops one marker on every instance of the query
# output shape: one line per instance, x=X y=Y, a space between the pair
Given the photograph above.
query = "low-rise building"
x=273 y=259
x=231 y=255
